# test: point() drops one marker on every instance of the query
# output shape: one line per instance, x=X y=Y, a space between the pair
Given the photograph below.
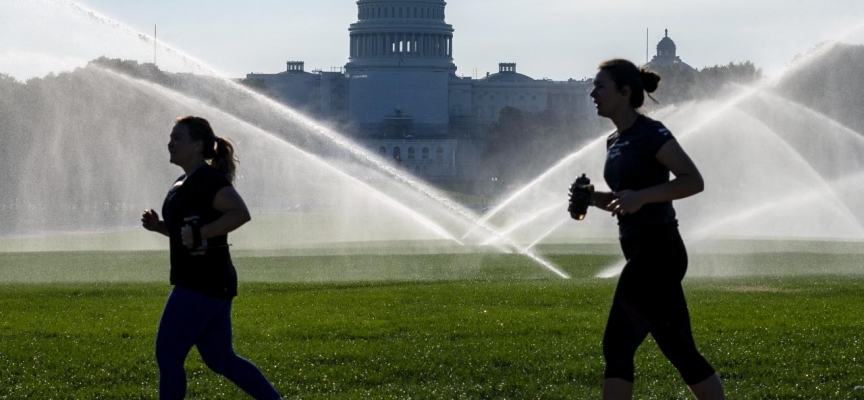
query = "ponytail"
x=650 y=81
x=224 y=159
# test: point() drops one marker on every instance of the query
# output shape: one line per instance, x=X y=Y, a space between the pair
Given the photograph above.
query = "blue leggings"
x=192 y=319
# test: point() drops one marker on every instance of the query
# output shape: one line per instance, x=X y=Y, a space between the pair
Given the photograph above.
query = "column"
x=450 y=39
x=442 y=41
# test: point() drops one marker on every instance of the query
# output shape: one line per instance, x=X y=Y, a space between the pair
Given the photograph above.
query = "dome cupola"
x=666 y=47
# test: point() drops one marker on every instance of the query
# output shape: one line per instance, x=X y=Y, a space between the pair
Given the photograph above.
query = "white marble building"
x=400 y=95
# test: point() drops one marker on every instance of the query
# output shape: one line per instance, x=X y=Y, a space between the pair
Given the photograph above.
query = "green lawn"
x=448 y=326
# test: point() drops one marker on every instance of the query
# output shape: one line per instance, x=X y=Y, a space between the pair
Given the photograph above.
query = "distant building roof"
x=507 y=73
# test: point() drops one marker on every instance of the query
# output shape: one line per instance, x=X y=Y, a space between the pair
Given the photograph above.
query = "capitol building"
x=400 y=96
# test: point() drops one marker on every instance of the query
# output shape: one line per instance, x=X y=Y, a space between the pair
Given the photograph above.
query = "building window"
x=400 y=12
x=397 y=154
x=521 y=98
x=439 y=154
x=410 y=153
x=425 y=153
x=382 y=151
x=533 y=97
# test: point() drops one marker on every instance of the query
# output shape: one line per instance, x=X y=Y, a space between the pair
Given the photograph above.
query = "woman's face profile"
x=181 y=147
x=607 y=98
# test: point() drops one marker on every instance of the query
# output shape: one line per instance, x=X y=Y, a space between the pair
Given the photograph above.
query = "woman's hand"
x=626 y=202
x=150 y=220
x=187 y=236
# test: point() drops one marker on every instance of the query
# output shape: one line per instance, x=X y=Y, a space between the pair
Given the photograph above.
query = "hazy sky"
x=558 y=39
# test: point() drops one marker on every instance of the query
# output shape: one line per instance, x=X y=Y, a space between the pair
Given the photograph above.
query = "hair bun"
x=650 y=79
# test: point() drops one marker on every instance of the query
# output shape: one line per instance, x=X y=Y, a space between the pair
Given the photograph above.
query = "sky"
x=556 y=39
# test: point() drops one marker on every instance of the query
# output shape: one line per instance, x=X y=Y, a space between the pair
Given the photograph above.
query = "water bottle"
x=580 y=197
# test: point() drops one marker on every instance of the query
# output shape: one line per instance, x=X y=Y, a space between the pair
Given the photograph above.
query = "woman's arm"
x=234 y=215
x=602 y=200
x=234 y=210
x=688 y=181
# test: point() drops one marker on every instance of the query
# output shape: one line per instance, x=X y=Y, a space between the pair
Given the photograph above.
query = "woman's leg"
x=669 y=320
x=626 y=329
x=709 y=389
x=217 y=351
x=181 y=323
x=670 y=327
x=617 y=389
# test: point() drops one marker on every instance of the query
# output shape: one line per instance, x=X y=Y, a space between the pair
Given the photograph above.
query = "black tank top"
x=211 y=273
x=631 y=163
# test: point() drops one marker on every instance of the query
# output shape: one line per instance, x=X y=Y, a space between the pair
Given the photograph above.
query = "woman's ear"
x=625 y=91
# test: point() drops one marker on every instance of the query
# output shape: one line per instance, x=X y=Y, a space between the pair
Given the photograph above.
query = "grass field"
x=81 y=325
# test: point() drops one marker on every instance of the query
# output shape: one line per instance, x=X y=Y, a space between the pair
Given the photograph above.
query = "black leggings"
x=649 y=299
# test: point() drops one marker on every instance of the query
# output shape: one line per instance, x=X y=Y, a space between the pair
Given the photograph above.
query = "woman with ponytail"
x=199 y=211
x=649 y=298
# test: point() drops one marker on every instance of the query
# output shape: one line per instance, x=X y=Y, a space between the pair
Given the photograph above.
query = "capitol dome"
x=667 y=55
x=666 y=46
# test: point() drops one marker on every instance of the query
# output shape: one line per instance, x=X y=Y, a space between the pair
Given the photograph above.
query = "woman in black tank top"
x=641 y=153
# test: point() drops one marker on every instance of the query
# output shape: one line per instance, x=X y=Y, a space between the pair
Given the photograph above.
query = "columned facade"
x=399 y=94
x=401 y=59
x=401 y=44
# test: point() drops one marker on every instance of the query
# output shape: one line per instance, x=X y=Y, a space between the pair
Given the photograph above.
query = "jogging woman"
x=199 y=211
x=649 y=298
